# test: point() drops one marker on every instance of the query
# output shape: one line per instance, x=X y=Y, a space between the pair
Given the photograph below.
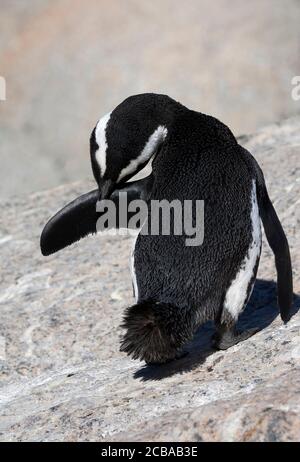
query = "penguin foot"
x=224 y=338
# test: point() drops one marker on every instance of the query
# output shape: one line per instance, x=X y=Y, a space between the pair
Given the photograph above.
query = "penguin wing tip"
x=45 y=250
x=46 y=242
x=286 y=316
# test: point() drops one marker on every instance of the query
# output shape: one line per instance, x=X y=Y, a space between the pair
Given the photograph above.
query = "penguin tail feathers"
x=280 y=247
x=155 y=332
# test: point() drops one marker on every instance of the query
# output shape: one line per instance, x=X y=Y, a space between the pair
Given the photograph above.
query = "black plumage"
x=180 y=287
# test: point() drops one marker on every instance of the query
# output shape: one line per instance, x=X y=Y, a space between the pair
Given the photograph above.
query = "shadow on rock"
x=260 y=312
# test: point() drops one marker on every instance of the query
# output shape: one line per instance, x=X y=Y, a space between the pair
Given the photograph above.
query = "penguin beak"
x=106 y=189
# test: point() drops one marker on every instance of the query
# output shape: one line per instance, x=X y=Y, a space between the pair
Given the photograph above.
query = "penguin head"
x=125 y=140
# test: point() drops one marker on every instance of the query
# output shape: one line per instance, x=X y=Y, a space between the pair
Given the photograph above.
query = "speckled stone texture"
x=62 y=375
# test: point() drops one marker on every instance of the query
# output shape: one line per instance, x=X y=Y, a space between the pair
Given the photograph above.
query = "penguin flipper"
x=277 y=240
x=79 y=218
x=280 y=247
x=73 y=222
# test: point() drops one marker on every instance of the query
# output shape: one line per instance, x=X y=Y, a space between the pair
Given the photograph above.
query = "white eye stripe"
x=100 y=136
x=157 y=137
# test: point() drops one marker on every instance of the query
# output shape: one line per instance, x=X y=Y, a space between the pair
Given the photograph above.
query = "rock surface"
x=62 y=375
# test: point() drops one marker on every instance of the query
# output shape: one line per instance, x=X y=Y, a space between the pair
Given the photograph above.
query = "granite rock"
x=62 y=375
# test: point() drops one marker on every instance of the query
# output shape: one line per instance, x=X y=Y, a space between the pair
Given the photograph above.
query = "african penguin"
x=179 y=287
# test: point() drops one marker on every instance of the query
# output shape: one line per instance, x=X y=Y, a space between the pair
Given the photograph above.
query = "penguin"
x=178 y=287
